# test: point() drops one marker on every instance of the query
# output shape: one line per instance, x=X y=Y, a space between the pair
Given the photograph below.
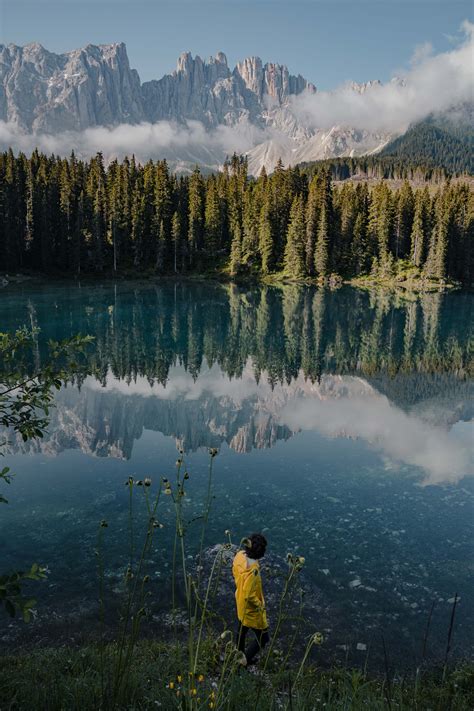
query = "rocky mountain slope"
x=46 y=93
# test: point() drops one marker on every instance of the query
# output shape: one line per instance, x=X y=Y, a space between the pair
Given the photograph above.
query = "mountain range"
x=212 y=108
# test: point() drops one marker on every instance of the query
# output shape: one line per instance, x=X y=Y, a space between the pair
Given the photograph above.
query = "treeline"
x=73 y=216
x=388 y=165
x=281 y=332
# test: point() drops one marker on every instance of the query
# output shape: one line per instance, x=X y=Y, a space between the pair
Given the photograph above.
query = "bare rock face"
x=272 y=80
x=42 y=91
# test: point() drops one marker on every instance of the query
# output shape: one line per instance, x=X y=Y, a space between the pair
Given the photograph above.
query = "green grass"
x=69 y=679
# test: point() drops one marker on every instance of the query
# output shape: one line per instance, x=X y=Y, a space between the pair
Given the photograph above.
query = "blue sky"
x=328 y=42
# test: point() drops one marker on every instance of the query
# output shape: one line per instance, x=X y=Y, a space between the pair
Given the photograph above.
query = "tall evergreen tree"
x=294 y=259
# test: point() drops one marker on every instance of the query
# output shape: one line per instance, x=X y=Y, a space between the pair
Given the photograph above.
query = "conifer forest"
x=69 y=216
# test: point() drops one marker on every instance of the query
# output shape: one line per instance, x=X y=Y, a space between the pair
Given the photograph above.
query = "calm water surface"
x=344 y=423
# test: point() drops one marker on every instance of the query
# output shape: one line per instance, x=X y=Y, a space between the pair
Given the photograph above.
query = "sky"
x=327 y=41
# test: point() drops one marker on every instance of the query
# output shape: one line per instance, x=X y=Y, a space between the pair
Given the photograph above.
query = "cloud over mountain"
x=434 y=84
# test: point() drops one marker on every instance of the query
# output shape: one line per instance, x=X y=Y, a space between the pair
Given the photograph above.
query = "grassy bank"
x=66 y=678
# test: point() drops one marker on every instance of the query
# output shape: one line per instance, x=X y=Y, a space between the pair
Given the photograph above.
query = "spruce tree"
x=294 y=258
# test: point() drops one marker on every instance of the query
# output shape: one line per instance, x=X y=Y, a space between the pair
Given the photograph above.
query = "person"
x=249 y=598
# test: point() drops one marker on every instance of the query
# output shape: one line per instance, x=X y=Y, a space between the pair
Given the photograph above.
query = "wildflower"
x=139 y=482
x=211 y=705
x=213 y=452
x=179 y=462
x=171 y=685
x=227 y=634
x=194 y=692
x=129 y=481
x=158 y=524
x=147 y=481
x=213 y=694
x=103 y=523
x=168 y=489
x=201 y=677
x=179 y=678
x=146 y=579
x=226 y=532
x=186 y=475
x=165 y=480
x=180 y=451
x=318 y=638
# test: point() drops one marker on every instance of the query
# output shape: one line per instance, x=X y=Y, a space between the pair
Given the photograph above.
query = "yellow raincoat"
x=249 y=593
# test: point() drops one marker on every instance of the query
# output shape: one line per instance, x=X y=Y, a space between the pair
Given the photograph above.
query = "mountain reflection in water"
x=329 y=410
x=208 y=365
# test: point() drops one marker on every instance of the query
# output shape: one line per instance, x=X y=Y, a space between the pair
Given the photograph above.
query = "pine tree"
x=266 y=239
x=404 y=207
x=196 y=214
x=212 y=219
x=418 y=236
x=321 y=251
x=294 y=258
x=176 y=239
x=312 y=221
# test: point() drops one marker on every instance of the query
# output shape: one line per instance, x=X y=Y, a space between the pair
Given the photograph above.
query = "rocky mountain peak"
x=44 y=92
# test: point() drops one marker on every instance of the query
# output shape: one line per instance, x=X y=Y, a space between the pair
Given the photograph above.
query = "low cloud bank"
x=190 y=142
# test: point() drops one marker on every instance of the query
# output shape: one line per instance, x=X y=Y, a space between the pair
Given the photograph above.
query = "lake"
x=344 y=424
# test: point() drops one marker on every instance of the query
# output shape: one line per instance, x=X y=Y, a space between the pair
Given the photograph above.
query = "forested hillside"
x=68 y=216
x=440 y=144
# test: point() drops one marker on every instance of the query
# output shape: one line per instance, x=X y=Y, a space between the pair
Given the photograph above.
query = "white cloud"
x=434 y=84
x=422 y=53
x=444 y=457
x=164 y=139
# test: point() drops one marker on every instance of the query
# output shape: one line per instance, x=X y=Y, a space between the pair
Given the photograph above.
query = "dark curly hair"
x=255 y=546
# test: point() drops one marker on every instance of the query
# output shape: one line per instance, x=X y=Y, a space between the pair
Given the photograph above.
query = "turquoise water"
x=344 y=423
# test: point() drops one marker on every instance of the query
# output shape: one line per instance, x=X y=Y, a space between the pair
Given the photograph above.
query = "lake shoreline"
x=366 y=282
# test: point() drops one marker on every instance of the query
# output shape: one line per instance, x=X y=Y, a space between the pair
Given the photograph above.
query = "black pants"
x=261 y=639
